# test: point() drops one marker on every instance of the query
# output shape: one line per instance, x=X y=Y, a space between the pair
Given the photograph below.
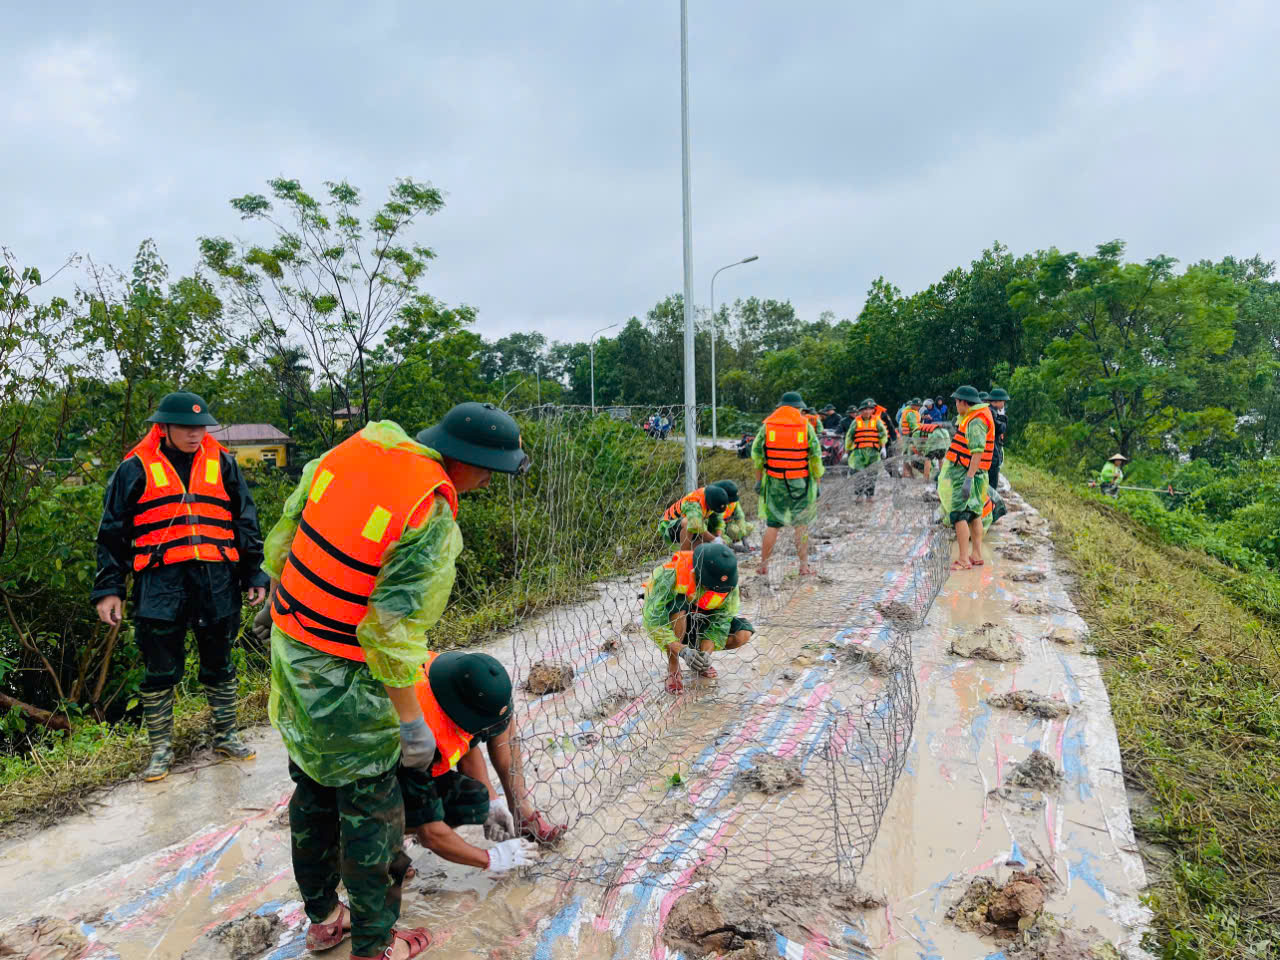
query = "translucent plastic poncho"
x=334 y=715
x=661 y=601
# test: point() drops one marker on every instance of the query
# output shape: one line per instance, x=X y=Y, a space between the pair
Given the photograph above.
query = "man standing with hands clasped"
x=178 y=516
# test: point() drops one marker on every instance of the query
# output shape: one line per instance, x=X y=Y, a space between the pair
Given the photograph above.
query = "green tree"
x=330 y=283
x=1126 y=345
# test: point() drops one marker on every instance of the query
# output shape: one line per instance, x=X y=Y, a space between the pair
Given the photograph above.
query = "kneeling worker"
x=690 y=610
x=695 y=518
x=736 y=527
x=466 y=702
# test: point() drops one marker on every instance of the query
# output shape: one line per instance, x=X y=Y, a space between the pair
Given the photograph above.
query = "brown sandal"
x=325 y=936
x=418 y=939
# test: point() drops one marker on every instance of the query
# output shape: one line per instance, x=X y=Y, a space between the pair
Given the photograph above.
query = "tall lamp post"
x=591 y=348
x=736 y=263
x=690 y=384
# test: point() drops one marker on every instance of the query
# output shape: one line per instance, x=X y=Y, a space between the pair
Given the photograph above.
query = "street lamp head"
x=749 y=259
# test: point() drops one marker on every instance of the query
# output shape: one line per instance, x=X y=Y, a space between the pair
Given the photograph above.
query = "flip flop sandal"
x=540 y=831
x=674 y=683
x=323 y=936
x=418 y=939
x=957 y=565
x=977 y=563
x=708 y=674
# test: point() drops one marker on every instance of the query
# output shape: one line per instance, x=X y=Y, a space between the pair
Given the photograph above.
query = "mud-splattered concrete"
x=153 y=871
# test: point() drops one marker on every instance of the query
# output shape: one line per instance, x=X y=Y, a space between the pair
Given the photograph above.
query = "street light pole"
x=690 y=384
x=736 y=263
x=591 y=348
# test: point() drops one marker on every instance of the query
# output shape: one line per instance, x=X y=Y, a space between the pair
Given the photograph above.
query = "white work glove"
x=967 y=489
x=417 y=744
x=499 y=825
x=718 y=540
x=510 y=854
x=696 y=659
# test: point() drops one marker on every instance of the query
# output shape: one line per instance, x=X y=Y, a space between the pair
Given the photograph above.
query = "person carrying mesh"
x=736 y=527
x=865 y=440
x=691 y=606
x=466 y=702
x=962 y=481
x=695 y=518
x=362 y=562
x=788 y=459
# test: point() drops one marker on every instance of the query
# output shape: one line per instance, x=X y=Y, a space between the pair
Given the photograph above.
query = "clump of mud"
x=741 y=923
x=988 y=642
x=1051 y=938
x=895 y=611
x=675 y=808
x=1030 y=608
x=877 y=661
x=548 y=676
x=1001 y=910
x=1036 y=704
x=702 y=924
x=607 y=706
x=1028 y=576
x=930 y=495
x=770 y=774
x=1064 y=635
x=1016 y=551
x=1037 y=772
x=46 y=938
x=238 y=939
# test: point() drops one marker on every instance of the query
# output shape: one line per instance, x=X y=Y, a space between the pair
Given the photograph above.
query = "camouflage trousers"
x=353 y=833
x=866 y=463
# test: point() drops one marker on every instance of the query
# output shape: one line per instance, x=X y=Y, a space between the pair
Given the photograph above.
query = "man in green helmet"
x=695 y=518
x=999 y=397
x=736 y=527
x=788 y=460
x=691 y=610
x=866 y=438
x=177 y=516
x=909 y=429
x=362 y=563
x=962 y=481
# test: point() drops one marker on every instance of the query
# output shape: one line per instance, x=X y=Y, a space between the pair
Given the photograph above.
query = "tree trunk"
x=52 y=720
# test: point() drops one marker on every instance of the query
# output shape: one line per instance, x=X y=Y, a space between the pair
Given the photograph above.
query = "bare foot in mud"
x=806 y=571
x=762 y=570
x=675 y=683
x=961 y=565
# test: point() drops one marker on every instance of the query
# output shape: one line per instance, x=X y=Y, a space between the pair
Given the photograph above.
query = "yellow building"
x=254 y=443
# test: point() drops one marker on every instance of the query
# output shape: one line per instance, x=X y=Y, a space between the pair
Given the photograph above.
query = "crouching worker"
x=695 y=518
x=690 y=610
x=736 y=527
x=466 y=702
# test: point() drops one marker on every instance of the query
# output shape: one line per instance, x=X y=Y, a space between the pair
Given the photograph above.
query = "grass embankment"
x=1192 y=663
x=53 y=778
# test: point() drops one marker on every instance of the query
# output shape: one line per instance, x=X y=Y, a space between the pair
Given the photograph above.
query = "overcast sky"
x=836 y=140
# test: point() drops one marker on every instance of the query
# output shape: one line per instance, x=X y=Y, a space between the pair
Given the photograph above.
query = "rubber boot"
x=226 y=738
x=157 y=712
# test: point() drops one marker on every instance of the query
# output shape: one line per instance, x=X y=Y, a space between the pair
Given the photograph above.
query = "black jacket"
x=832 y=421
x=197 y=590
x=1002 y=425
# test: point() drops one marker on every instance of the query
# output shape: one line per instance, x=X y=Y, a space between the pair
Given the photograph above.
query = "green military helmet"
x=913 y=402
x=791 y=399
x=867 y=404
x=717 y=498
x=715 y=567
x=184 y=409
x=966 y=393
x=730 y=488
x=473 y=689
x=479 y=434
x=999 y=393
x=984 y=396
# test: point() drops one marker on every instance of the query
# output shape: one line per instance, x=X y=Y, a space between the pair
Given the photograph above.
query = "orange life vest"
x=682 y=564
x=880 y=411
x=173 y=524
x=786 y=444
x=730 y=509
x=815 y=421
x=698 y=496
x=363 y=495
x=959 y=451
x=866 y=433
x=987 y=506
x=451 y=740
x=904 y=426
